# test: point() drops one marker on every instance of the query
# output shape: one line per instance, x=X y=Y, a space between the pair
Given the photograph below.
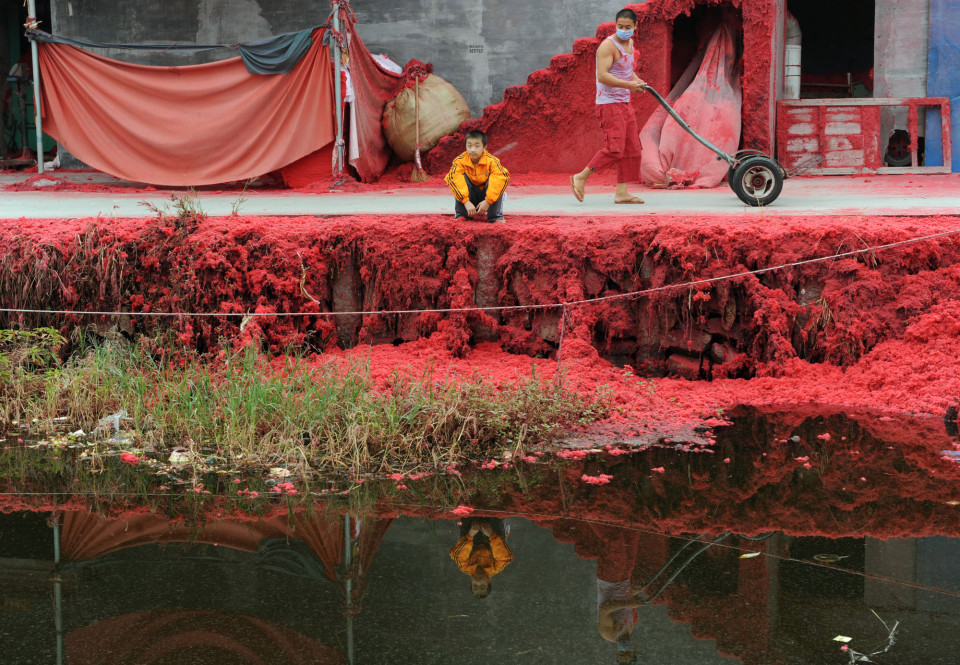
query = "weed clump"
x=245 y=410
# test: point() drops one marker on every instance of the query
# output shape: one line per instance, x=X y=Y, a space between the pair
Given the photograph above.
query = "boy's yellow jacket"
x=492 y=559
x=487 y=170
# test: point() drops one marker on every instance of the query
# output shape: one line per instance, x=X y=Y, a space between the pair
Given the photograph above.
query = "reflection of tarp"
x=943 y=78
x=194 y=125
x=86 y=536
x=161 y=638
x=708 y=98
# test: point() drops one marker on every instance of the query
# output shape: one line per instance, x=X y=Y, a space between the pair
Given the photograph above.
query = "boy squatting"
x=478 y=180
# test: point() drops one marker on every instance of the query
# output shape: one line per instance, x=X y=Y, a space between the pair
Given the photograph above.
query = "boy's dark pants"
x=478 y=194
x=481 y=540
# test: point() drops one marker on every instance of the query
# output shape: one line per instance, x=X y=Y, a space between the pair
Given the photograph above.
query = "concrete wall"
x=900 y=49
x=480 y=46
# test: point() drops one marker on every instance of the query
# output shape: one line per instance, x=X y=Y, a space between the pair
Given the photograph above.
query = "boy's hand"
x=483 y=207
x=471 y=210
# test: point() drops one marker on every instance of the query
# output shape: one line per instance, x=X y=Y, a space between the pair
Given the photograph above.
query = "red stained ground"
x=881 y=331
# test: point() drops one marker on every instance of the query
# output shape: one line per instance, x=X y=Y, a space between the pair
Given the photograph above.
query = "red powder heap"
x=878 y=330
x=560 y=100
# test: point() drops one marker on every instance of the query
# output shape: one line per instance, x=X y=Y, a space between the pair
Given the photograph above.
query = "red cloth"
x=183 y=126
x=373 y=87
x=315 y=167
x=621 y=141
x=708 y=98
x=86 y=536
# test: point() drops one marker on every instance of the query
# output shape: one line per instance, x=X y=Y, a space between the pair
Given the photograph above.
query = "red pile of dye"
x=875 y=331
x=560 y=100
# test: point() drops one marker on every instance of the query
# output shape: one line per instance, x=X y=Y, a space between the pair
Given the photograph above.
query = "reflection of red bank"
x=167 y=638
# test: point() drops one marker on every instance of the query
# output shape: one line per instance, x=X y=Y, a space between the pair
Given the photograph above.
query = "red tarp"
x=708 y=98
x=185 y=126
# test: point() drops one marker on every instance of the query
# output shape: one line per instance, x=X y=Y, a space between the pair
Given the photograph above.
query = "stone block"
x=691 y=341
x=684 y=366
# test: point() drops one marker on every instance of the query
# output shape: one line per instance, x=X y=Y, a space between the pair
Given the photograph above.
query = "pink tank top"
x=623 y=70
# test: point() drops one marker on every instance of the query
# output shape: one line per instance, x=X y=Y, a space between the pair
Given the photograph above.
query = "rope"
x=416 y=106
x=499 y=308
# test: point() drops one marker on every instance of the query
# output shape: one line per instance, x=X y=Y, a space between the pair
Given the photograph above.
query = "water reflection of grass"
x=244 y=410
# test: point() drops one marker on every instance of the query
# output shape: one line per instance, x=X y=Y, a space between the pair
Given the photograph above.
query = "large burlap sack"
x=708 y=98
x=442 y=109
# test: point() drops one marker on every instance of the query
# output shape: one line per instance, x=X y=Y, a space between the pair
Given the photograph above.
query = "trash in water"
x=829 y=558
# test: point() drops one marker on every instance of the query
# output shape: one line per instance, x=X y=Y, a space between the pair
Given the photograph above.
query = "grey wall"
x=480 y=46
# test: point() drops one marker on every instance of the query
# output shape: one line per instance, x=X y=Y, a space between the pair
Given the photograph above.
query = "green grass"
x=244 y=411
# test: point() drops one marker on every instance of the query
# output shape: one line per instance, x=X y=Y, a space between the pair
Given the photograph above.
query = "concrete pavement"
x=876 y=195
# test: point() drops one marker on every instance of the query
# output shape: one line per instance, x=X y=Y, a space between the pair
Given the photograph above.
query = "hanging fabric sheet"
x=278 y=54
x=373 y=86
x=187 y=126
x=943 y=78
x=708 y=98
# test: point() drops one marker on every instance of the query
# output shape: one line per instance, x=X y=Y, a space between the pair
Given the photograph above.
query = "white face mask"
x=624 y=35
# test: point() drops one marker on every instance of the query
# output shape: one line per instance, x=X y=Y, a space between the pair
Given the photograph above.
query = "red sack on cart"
x=708 y=98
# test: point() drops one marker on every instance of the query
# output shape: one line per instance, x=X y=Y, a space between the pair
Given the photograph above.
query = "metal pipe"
x=335 y=45
x=669 y=109
x=35 y=57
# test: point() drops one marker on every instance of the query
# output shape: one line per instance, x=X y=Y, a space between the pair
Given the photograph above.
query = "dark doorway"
x=837 y=55
x=17 y=131
x=691 y=32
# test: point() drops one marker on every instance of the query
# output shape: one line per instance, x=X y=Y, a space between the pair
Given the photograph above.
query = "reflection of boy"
x=481 y=552
x=478 y=180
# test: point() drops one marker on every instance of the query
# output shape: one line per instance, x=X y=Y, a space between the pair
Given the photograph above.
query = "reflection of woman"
x=616 y=603
x=481 y=552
